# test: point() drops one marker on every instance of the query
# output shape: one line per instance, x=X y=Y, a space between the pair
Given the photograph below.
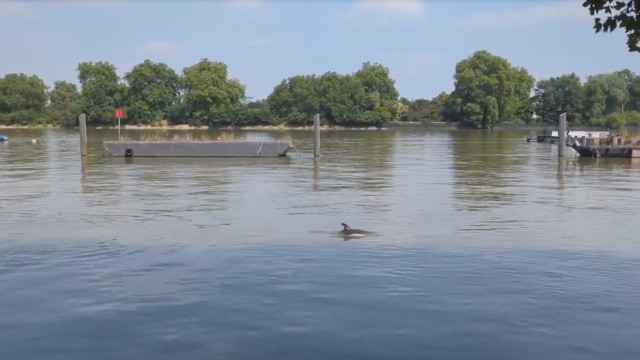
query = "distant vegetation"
x=488 y=90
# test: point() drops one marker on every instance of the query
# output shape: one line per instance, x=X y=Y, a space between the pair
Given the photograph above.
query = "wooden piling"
x=316 y=174
x=562 y=132
x=82 y=126
x=84 y=163
x=316 y=135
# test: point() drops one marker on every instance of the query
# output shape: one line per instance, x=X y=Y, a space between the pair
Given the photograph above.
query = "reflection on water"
x=486 y=168
x=562 y=168
x=487 y=247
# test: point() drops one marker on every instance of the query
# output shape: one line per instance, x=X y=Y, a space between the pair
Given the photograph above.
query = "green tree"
x=154 y=88
x=209 y=94
x=64 y=105
x=559 y=94
x=367 y=97
x=341 y=98
x=295 y=100
x=489 y=90
x=101 y=91
x=63 y=93
x=633 y=88
x=380 y=92
x=424 y=111
x=618 y=14
x=22 y=98
x=605 y=94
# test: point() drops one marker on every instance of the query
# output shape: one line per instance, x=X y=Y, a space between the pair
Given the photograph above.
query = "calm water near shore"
x=486 y=247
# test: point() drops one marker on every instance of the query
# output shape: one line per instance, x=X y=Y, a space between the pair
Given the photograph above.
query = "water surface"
x=486 y=247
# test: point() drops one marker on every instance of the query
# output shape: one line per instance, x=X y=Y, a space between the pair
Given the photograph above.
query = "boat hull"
x=266 y=148
x=608 y=151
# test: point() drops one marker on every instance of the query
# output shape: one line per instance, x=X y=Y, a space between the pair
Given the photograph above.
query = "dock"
x=196 y=148
x=615 y=148
x=615 y=151
x=552 y=136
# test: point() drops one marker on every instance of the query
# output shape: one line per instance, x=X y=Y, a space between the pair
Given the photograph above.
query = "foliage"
x=102 y=91
x=367 y=97
x=426 y=111
x=489 y=90
x=618 y=14
x=556 y=95
x=153 y=90
x=22 y=99
x=64 y=105
x=209 y=94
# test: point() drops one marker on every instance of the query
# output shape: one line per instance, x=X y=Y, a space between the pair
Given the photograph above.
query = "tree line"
x=488 y=90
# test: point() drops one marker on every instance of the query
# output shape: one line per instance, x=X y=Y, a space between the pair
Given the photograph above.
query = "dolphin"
x=348 y=232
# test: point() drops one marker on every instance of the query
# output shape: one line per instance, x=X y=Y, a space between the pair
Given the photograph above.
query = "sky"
x=266 y=41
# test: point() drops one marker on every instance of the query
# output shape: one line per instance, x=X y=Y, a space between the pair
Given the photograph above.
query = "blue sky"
x=266 y=41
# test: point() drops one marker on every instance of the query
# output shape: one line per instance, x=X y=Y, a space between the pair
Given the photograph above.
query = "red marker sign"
x=119 y=113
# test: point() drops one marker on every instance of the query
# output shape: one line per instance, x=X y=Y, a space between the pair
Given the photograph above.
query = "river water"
x=485 y=247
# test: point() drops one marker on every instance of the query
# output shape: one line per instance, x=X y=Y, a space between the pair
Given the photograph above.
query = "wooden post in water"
x=316 y=135
x=316 y=173
x=82 y=126
x=562 y=132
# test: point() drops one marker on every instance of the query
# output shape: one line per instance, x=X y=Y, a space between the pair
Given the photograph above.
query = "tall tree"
x=63 y=94
x=489 y=90
x=381 y=94
x=153 y=90
x=22 y=98
x=606 y=93
x=633 y=88
x=341 y=98
x=209 y=93
x=22 y=92
x=618 y=14
x=559 y=94
x=295 y=100
x=101 y=91
x=376 y=79
x=64 y=105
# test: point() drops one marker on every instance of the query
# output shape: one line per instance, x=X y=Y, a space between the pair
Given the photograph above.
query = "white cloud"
x=524 y=17
x=385 y=11
x=260 y=42
x=159 y=48
x=14 y=9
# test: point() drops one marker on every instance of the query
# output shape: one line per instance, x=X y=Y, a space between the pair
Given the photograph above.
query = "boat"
x=3 y=138
x=551 y=136
x=198 y=148
x=613 y=147
x=612 y=151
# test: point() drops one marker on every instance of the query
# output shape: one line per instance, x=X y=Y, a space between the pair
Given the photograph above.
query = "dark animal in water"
x=347 y=231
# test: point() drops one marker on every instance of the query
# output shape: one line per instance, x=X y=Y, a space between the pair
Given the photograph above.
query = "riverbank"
x=388 y=126
x=248 y=127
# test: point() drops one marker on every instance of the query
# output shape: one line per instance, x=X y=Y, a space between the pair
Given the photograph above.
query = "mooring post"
x=82 y=126
x=562 y=131
x=316 y=135
x=84 y=162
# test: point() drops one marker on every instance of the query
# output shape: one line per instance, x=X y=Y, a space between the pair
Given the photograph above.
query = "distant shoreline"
x=389 y=126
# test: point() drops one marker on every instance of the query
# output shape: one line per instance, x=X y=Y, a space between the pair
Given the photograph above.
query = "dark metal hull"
x=608 y=151
x=232 y=148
